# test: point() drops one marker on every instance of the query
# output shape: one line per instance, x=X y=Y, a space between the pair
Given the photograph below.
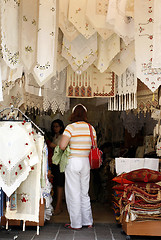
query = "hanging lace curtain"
x=53 y=93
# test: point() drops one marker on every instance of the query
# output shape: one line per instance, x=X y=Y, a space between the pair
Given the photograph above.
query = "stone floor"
x=56 y=231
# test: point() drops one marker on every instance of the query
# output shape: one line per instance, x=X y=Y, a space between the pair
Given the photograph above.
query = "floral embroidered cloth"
x=123 y=59
x=144 y=26
x=68 y=29
x=48 y=34
x=96 y=12
x=17 y=154
x=10 y=32
x=76 y=15
x=28 y=27
x=28 y=194
x=81 y=52
x=107 y=50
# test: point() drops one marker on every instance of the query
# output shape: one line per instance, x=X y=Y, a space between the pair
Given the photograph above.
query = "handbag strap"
x=91 y=134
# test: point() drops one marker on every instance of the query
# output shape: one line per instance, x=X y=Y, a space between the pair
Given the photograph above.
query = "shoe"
x=68 y=226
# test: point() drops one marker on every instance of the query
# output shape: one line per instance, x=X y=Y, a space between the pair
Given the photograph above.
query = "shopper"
x=57 y=128
x=77 y=172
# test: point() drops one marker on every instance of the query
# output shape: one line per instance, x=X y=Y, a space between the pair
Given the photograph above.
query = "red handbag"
x=95 y=155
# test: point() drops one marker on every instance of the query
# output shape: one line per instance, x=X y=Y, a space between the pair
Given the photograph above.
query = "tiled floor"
x=105 y=228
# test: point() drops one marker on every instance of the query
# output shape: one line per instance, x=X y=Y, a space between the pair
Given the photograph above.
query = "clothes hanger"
x=17 y=109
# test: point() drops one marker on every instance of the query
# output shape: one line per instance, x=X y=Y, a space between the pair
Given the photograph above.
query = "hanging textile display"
x=13 y=94
x=107 y=50
x=91 y=83
x=120 y=23
x=1 y=93
x=28 y=196
x=123 y=59
x=28 y=25
x=79 y=85
x=81 y=52
x=18 y=153
x=156 y=57
x=144 y=25
x=131 y=122
x=53 y=93
x=103 y=83
x=62 y=63
x=14 y=74
x=129 y=8
x=10 y=32
x=126 y=89
x=31 y=85
x=96 y=12
x=47 y=33
x=76 y=15
x=68 y=29
x=146 y=99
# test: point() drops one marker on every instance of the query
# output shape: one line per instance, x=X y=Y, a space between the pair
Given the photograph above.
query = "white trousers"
x=77 y=177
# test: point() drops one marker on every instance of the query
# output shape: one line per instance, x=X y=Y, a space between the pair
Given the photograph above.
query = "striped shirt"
x=80 y=140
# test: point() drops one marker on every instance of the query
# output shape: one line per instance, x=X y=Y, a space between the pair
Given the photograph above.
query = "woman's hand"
x=52 y=145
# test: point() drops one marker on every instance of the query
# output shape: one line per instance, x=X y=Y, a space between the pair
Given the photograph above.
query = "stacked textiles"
x=137 y=196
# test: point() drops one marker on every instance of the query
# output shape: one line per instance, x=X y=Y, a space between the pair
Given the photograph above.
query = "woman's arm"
x=64 y=142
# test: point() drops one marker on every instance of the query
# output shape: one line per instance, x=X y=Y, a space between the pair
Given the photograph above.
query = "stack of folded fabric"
x=137 y=196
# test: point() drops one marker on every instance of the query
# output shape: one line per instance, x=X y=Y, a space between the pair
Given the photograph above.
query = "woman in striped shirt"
x=77 y=172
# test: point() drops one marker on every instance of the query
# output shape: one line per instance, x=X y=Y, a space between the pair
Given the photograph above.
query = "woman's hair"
x=79 y=114
x=61 y=124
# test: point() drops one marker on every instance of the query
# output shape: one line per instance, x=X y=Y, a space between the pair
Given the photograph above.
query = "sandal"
x=68 y=226
x=90 y=226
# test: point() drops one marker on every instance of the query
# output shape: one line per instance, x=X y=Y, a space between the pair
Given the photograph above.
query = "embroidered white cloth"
x=156 y=60
x=18 y=153
x=144 y=25
x=76 y=15
x=68 y=29
x=28 y=25
x=81 y=52
x=96 y=12
x=47 y=33
x=28 y=193
x=53 y=93
x=103 y=83
x=16 y=73
x=126 y=89
x=62 y=63
x=120 y=23
x=107 y=50
x=123 y=59
x=10 y=32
